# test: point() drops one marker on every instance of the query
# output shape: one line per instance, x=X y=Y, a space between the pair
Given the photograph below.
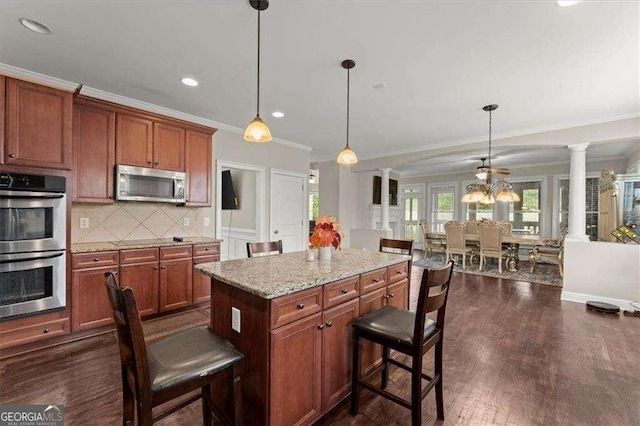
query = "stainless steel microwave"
x=144 y=184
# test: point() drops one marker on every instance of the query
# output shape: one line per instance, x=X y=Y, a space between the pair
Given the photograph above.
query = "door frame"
x=305 y=202
x=260 y=195
x=420 y=193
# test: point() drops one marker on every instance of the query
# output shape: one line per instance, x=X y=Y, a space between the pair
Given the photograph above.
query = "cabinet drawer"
x=206 y=249
x=177 y=252
x=206 y=259
x=398 y=272
x=94 y=260
x=341 y=291
x=138 y=255
x=34 y=333
x=373 y=280
x=287 y=309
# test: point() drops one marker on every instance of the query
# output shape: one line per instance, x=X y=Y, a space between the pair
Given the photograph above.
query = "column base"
x=577 y=238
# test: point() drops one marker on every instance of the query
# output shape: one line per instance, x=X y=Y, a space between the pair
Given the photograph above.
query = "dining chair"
x=491 y=244
x=171 y=367
x=412 y=334
x=507 y=228
x=396 y=246
x=471 y=226
x=264 y=249
x=456 y=242
x=430 y=244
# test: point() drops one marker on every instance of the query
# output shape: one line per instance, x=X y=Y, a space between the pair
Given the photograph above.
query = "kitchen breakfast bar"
x=292 y=320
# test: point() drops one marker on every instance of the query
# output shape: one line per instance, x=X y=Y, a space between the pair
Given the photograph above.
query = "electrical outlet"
x=84 y=222
x=186 y=221
x=235 y=319
x=206 y=221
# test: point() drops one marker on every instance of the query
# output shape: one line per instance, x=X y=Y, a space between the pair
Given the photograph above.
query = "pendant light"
x=347 y=156
x=257 y=130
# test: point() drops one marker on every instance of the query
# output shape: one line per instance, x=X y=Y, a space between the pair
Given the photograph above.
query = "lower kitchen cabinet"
x=176 y=288
x=370 y=352
x=91 y=306
x=143 y=280
x=202 y=282
x=398 y=294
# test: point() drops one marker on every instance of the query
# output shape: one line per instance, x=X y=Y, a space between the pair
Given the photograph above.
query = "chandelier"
x=484 y=192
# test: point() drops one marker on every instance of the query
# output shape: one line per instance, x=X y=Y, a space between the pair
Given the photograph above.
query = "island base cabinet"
x=337 y=344
x=143 y=279
x=296 y=372
x=398 y=294
x=371 y=353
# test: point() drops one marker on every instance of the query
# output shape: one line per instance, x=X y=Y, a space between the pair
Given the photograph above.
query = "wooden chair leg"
x=385 y=367
x=416 y=389
x=237 y=398
x=355 y=373
x=438 y=371
x=464 y=260
x=500 y=265
x=206 y=405
x=128 y=400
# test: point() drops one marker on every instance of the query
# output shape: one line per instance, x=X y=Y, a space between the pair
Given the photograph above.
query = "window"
x=442 y=207
x=313 y=205
x=526 y=214
x=410 y=218
x=591 y=211
x=477 y=211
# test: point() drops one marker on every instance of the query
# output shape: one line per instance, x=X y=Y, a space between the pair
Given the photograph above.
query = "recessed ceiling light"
x=566 y=3
x=34 y=26
x=278 y=114
x=187 y=81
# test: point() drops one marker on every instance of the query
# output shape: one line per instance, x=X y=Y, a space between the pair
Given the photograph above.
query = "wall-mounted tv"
x=229 y=199
x=377 y=191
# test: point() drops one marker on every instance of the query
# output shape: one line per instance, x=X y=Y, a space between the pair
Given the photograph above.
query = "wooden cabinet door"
x=202 y=282
x=337 y=345
x=91 y=307
x=168 y=147
x=371 y=353
x=38 y=126
x=134 y=141
x=94 y=154
x=398 y=294
x=296 y=371
x=198 y=167
x=2 y=117
x=175 y=284
x=143 y=279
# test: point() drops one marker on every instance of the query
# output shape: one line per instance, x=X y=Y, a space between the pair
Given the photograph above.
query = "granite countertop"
x=272 y=276
x=134 y=244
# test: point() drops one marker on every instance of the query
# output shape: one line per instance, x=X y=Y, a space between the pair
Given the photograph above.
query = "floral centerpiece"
x=326 y=234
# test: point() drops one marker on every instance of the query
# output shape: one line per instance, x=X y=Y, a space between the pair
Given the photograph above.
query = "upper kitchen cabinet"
x=94 y=153
x=2 y=90
x=38 y=126
x=198 y=168
x=168 y=147
x=134 y=141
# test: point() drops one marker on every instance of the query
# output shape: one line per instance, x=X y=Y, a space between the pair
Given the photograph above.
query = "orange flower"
x=326 y=233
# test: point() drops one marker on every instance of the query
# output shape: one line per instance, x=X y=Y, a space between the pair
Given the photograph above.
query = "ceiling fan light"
x=257 y=131
x=482 y=175
x=487 y=199
x=347 y=156
x=466 y=198
x=506 y=196
x=476 y=196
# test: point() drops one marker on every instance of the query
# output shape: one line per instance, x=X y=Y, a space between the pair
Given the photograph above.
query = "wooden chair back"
x=471 y=227
x=388 y=245
x=507 y=228
x=434 y=289
x=490 y=237
x=424 y=225
x=264 y=248
x=133 y=351
x=455 y=235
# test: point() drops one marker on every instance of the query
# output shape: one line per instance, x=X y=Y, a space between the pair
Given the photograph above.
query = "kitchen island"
x=293 y=323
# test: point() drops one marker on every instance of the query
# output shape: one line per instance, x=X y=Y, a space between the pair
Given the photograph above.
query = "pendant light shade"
x=347 y=155
x=257 y=130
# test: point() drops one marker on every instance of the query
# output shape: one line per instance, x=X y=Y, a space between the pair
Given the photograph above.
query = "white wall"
x=633 y=163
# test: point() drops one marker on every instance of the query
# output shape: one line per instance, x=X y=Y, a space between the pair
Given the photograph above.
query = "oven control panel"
x=24 y=182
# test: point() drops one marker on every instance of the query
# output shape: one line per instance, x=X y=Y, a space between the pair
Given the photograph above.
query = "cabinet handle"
x=155 y=268
x=207 y=249
x=376 y=280
x=345 y=291
x=110 y=197
x=329 y=324
x=195 y=262
x=163 y=267
x=148 y=162
x=321 y=326
x=45 y=331
x=301 y=306
x=390 y=294
x=96 y=260
x=12 y=155
x=115 y=273
x=399 y=273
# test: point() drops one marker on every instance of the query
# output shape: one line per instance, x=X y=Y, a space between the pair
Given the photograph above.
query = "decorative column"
x=384 y=200
x=577 y=193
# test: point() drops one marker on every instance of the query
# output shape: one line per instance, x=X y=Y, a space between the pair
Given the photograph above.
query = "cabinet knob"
x=96 y=260
x=45 y=331
x=330 y=323
x=321 y=326
x=110 y=197
x=12 y=156
x=376 y=280
x=345 y=291
x=155 y=268
x=163 y=267
x=301 y=306
x=399 y=273
x=390 y=294
x=206 y=249
x=195 y=262
x=148 y=162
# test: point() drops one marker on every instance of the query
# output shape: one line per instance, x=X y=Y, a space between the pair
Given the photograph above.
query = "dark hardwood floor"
x=514 y=354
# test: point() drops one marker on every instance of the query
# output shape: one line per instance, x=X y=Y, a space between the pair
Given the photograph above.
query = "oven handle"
x=26 y=257
x=13 y=195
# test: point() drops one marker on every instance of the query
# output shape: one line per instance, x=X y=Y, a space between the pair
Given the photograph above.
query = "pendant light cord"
x=258 y=97
x=490 y=118
x=348 y=96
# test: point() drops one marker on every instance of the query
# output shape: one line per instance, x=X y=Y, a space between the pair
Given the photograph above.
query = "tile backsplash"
x=135 y=221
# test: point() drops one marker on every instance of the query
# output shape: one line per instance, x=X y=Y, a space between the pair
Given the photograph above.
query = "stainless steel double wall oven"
x=33 y=230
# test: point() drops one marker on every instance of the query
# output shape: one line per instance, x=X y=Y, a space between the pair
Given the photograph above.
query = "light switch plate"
x=84 y=222
x=186 y=221
x=235 y=319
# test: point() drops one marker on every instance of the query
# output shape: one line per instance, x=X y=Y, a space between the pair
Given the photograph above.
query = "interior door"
x=412 y=211
x=287 y=210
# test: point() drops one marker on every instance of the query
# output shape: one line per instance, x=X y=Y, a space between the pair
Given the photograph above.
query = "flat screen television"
x=377 y=191
x=229 y=198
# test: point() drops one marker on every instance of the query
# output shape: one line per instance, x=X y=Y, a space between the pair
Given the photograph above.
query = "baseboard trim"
x=569 y=296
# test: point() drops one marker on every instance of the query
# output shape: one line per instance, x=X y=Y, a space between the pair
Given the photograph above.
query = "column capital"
x=385 y=170
x=578 y=147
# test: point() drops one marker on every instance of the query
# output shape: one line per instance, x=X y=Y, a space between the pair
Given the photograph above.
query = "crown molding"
x=20 y=73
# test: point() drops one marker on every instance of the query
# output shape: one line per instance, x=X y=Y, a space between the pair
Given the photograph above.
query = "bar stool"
x=169 y=368
x=408 y=333
x=270 y=247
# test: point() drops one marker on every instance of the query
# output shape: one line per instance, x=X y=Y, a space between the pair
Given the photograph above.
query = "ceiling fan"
x=483 y=170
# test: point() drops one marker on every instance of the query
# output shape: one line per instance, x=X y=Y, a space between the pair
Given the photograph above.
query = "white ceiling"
x=442 y=61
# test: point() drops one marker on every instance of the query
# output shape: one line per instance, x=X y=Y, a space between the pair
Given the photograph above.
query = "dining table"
x=513 y=242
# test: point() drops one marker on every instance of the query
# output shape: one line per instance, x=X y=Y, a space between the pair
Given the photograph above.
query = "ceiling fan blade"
x=504 y=172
